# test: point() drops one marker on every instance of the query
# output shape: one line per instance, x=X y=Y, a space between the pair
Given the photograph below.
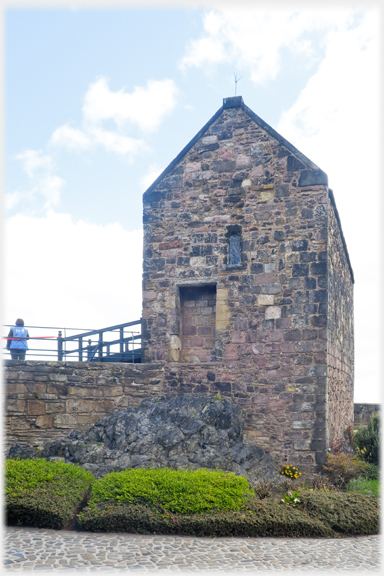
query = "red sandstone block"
x=231 y=351
x=169 y=245
x=288 y=347
x=238 y=337
x=265 y=278
x=188 y=320
x=194 y=341
x=189 y=330
x=276 y=335
x=260 y=361
x=203 y=355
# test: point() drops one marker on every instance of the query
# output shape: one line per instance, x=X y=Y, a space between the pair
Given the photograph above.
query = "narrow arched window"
x=234 y=249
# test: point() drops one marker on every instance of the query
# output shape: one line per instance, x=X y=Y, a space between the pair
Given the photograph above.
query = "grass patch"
x=364 y=486
x=44 y=494
x=185 y=492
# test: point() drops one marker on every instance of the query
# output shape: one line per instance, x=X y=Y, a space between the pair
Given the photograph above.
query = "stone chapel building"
x=248 y=286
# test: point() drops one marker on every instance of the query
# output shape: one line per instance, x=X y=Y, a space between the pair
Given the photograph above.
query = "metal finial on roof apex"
x=233 y=102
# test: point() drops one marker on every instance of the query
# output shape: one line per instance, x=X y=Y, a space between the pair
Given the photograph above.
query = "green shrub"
x=364 y=486
x=44 y=494
x=291 y=498
x=341 y=468
x=192 y=491
x=346 y=513
x=372 y=472
x=367 y=440
x=260 y=518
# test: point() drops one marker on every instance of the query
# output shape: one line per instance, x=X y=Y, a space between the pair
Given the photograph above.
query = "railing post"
x=121 y=344
x=100 y=345
x=59 y=347
x=89 y=350
x=80 y=349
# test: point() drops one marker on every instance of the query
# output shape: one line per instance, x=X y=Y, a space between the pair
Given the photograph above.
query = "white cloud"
x=145 y=107
x=335 y=122
x=46 y=186
x=12 y=199
x=70 y=138
x=35 y=161
x=50 y=187
x=148 y=179
x=55 y=279
x=114 y=142
x=252 y=38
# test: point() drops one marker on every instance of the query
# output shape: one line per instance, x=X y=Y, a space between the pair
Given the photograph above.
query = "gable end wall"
x=271 y=322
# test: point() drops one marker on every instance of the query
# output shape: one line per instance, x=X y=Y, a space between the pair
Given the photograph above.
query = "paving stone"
x=135 y=552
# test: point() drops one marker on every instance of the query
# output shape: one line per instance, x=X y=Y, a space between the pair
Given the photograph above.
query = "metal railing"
x=119 y=343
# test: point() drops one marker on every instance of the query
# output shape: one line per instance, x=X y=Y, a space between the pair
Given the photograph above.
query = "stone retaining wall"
x=363 y=412
x=46 y=400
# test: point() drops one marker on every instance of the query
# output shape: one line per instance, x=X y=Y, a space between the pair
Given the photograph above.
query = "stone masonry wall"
x=363 y=413
x=46 y=400
x=271 y=316
x=340 y=333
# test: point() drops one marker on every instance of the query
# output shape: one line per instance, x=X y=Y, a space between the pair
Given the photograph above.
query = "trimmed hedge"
x=318 y=514
x=183 y=491
x=44 y=494
x=49 y=494
x=347 y=513
x=264 y=518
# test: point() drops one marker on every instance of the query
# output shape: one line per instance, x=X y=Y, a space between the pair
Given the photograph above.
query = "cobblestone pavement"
x=42 y=550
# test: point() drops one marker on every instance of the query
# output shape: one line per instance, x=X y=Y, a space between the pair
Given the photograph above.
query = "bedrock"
x=190 y=431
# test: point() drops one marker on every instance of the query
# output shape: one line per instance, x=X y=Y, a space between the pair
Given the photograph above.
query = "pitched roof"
x=238 y=102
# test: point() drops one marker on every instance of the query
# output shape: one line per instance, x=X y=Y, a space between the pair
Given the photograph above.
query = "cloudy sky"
x=99 y=101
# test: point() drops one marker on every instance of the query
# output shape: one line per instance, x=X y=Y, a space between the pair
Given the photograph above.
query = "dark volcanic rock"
x=189 y=431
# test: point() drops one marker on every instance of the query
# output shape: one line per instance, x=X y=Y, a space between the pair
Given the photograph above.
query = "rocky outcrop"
x=189 y=431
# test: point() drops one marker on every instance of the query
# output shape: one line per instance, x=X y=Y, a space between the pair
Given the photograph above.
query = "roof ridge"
x=234 y=102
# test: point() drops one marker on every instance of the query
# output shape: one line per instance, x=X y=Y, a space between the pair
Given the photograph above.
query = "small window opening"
x=234 y=249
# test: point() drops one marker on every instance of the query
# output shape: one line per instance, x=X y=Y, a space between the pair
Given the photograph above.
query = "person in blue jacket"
x=17 y=340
